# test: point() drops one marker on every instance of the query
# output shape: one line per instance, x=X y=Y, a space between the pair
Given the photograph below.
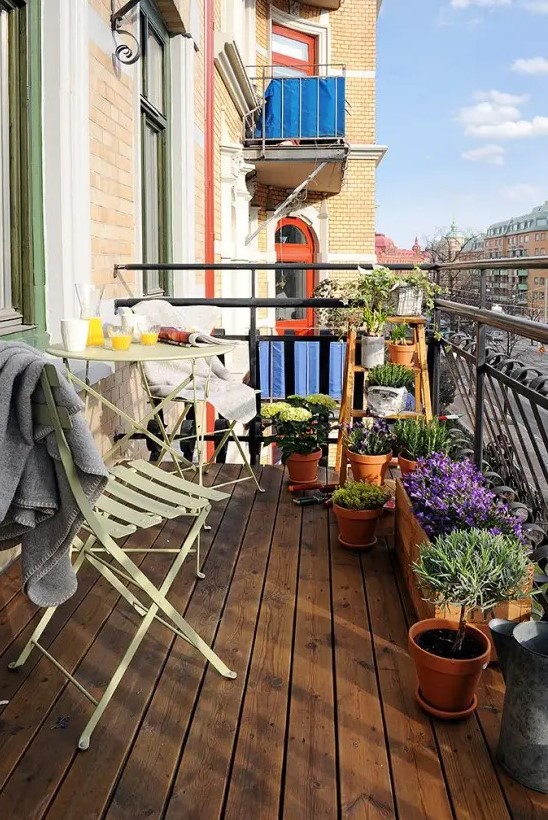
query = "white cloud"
x=496 y=116
x=486 y=4
x=491 y=154
x=537 y=6
x=531 y=65
x=520 y=193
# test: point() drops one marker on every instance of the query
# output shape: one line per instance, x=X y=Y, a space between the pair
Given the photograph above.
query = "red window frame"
x=308 y=67
x=298 y=253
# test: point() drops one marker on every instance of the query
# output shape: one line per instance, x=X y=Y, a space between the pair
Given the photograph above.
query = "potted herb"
x=372 y=289
x=387 y=386
x=417 y=438
x=466 y=569
x=300 y=433
x=368 y=445
x=410 y=292
x=401 y=350
x=358 y=507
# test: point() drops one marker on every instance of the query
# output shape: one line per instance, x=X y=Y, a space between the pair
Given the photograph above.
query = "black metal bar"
x=501 y=321
x=517 y=387
x=289 y=362
x=240 y=266
x=325 y=362
x=480 y=397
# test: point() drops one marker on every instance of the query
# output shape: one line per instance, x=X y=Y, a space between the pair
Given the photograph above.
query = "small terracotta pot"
x=357 y=527
x=402 y=354
x=369 y=468
x=447 y=688
x=303 y=469
x=406 y=465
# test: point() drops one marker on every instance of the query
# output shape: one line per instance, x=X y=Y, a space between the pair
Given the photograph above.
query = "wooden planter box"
x=408 y=536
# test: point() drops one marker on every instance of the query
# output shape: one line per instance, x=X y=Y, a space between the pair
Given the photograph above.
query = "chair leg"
x=47 y=616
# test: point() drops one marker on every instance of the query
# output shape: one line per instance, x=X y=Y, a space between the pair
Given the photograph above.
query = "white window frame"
x=5 y=252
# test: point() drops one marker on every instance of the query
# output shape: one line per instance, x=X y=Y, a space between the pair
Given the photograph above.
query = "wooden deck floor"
x=320 y=723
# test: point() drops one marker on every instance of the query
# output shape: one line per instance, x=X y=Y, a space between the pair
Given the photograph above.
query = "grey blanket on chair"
x=37 y=507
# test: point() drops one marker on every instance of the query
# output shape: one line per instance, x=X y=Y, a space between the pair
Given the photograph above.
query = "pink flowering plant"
x=449 y=495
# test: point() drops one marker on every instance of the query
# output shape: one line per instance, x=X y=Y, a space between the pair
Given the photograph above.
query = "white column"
x=66 y=148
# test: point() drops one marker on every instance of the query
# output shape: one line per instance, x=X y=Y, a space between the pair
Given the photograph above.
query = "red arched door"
x=294 y=243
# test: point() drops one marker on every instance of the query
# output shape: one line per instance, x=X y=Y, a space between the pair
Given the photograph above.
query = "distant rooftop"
x=536 y=218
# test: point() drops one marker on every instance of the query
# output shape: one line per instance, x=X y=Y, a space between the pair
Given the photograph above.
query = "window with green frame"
x=155 y=108
x=16 y=229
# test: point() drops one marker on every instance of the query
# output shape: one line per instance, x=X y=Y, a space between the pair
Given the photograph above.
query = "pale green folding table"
x=138 y=496
x=138 y=355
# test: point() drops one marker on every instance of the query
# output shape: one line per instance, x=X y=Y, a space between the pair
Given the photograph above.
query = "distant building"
x=525 y=235
x=389 y=254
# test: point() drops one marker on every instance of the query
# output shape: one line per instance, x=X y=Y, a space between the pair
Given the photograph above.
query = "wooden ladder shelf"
x=422 y=385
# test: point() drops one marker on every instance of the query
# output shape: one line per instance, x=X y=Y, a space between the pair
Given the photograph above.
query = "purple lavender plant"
x=449 y=495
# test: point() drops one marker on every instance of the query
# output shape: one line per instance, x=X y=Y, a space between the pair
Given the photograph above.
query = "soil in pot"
x=440 y=642
x=369 y=468
x=357 y=527
x=402 y=354
x=406 y=465
x=447 y=685
x=303 y=469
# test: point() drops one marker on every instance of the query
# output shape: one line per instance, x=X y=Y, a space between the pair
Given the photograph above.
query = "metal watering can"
x=523 y=743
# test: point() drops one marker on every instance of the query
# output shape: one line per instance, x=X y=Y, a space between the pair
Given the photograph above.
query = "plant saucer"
x=357 y=546
x=440 y=713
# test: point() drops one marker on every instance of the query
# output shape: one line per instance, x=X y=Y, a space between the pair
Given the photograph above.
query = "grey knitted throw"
x=37 y=507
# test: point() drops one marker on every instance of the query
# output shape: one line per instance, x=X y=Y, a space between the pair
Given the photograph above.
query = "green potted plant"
x=387 y=386
x=358 y=507
x=368 y=446
x=401 y=350
x=372 y=288
x=300 y=433
x=410 y=291
x=466 y=569
x=418 y=438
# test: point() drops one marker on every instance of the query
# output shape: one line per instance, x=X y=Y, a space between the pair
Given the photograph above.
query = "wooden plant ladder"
x=422 y=386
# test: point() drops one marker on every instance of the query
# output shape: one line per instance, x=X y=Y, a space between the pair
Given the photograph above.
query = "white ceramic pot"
x=372 y=351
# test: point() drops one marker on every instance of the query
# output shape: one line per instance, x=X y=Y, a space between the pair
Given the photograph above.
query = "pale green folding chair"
x=138 y=495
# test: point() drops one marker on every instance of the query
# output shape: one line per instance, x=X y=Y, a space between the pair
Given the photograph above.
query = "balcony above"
x=329 y=5
x=298 y=131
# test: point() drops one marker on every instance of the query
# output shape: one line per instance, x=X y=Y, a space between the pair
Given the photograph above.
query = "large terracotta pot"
x=406 y=465
x=356 y=527
x=303 y=469
x=402 y=354
x=447 y=688
x=369 y=468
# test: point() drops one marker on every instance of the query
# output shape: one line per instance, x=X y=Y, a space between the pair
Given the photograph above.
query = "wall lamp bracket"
x=124 y=52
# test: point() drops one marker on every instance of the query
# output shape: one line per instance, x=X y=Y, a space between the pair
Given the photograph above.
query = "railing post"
x=254 y=426
x=481 y=335
x=436 y=356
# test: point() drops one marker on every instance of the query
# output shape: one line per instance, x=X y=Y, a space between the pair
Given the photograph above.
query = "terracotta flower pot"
x=369 y=468
x=447 y=687
x=406 y=465
x=356 y=527
x=303 y=469
x=402 y=354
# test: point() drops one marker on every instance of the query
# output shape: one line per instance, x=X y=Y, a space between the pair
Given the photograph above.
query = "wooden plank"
x=310 y=766
x=471 y=778
x=201 y=780
x=418 y=780
x=92 y=776
x=364 y=772
x=10 y=583
x=45 y=697
x=524 y=804
x=258 y=762
x=147 y=779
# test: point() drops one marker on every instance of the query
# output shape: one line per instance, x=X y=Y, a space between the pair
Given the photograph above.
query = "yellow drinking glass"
x=150 y=335
x=96 y=336
x=120 y=339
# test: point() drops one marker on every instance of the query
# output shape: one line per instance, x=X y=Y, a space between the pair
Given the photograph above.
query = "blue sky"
x=462 y=103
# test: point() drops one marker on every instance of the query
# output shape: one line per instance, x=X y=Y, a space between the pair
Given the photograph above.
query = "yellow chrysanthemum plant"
x=301 y=424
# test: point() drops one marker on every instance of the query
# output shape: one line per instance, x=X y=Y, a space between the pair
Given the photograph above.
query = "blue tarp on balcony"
x=303 y=108
x=306 y=368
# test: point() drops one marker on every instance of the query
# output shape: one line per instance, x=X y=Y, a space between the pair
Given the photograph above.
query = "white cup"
x=75 y=334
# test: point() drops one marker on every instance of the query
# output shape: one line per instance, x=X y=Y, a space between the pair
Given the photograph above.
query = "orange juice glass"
x=96 y=337
x=121 y=341
x=149 y=337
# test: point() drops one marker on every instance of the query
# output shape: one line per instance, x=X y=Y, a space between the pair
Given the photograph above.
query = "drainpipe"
x=209 y=143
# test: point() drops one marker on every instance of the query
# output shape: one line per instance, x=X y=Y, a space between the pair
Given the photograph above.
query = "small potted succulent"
x=466 y=569
x=368 y=446
x=358 y=507
x=418 y=438
x=401 y=350
x=300 y=433
x=387 y=387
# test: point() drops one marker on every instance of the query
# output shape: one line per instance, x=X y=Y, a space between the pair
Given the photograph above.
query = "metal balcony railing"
x=307 y=109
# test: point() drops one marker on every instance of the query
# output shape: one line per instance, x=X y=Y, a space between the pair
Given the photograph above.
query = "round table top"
x=159 y=352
